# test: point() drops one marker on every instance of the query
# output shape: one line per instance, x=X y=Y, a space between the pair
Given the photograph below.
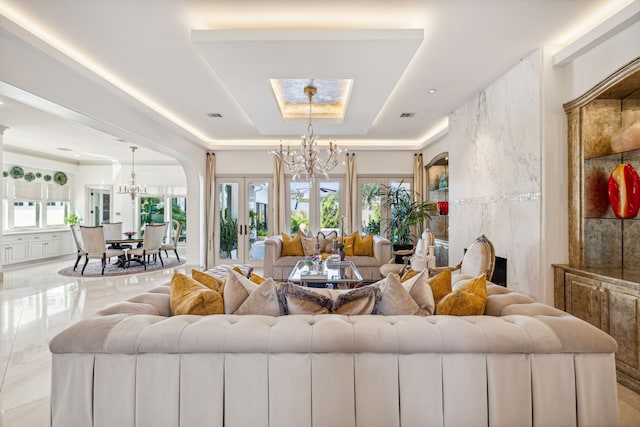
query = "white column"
x=2 y=129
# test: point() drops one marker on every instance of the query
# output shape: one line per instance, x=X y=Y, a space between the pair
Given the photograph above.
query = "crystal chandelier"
x=309 y=161
x=131 y=187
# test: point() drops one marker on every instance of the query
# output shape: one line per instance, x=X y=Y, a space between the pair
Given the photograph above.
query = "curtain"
x=210 y=213
x=279 y=210
x=58 y=193
x=418 y=178
x=24 y=190
x=351 y=193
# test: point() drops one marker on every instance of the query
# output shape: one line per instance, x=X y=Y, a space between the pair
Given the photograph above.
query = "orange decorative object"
x=624 y=191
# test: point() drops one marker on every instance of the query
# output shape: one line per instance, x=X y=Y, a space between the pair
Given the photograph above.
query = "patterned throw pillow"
x=296 y=299
x=292 y=246
x=188 y=296
x=468 y=300
x=326 y=241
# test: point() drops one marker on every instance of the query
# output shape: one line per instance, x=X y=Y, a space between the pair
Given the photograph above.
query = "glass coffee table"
x=332 y=275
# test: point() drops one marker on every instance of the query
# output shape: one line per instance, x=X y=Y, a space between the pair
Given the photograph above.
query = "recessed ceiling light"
x=214 y=115
x=63 y=149
x=432 y=91
x=76 y=155
x=407 y=115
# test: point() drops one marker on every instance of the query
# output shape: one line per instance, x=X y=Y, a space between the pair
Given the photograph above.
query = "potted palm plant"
x=407 y=216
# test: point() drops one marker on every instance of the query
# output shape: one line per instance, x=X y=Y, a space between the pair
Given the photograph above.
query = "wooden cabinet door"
x=583 y=298
x=622 y=325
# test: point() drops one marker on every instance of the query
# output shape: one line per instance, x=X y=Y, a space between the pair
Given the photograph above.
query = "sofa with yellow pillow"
x=255 y=352
x=368 y=252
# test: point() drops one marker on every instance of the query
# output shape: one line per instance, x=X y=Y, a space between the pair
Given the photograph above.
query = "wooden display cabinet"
x=601 y=285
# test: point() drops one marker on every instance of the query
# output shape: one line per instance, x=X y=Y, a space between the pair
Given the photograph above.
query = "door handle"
x=245 y=229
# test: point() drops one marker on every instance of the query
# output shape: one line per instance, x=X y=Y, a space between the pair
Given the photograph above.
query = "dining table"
x=124 y=244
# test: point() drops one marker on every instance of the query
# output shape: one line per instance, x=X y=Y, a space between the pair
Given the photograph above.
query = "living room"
x=506 y=137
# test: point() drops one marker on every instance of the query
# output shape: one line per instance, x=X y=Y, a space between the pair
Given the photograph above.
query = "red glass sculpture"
x=624 y=191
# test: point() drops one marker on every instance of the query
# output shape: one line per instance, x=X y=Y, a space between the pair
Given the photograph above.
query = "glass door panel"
x=100 y=206
x=370 y=214
x=299 y=206
x=179 y=215
x=228 y=212
x=258 y=210
x=329 y=193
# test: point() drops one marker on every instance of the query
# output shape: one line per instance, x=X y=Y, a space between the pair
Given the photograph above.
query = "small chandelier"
x=308 y=161
x=131 y=187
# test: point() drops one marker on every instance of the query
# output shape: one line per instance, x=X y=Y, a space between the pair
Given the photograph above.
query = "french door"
x=242 y=219
x=99 y=206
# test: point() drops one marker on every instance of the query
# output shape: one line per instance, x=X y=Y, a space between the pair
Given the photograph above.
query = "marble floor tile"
x=36 y=303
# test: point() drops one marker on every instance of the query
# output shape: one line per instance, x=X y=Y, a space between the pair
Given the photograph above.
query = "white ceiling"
x=152 y=47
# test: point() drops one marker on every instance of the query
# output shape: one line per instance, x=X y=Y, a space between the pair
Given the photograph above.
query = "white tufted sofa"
x=279 y=267
x=522 y=364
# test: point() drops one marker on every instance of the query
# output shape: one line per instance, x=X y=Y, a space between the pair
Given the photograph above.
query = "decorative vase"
x=342 y=255
x=624 y=191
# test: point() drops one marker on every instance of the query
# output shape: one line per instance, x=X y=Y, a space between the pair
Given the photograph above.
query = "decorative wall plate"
x=30 y=176
x=38 y=175
x=60 y=178
x=5 y=174
x=47 y=178
x=17 y=172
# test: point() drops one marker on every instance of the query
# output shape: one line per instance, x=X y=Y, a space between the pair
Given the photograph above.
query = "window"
x=372 y=217
x=151 y=210
x=26 y=214
x=314 y=208
x=55 y=213
x=179 y=214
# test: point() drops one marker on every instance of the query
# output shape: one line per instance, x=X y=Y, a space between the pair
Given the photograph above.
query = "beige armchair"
x=94 y=245
x=479 y=258
x=392 y=267
x=153 y=235
x=173 y=246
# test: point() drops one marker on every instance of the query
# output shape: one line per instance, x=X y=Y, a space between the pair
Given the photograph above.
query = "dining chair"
x=173 y=246
x=112 y=231
x=151 y=244
x=77 y=238
x=93 y=240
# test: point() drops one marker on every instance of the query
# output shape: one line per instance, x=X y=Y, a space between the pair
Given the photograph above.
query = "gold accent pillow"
x=209 y=281
x=188 y=296
x=258 y=280
x=408 y=274
x=242 y=296
x=363 y=246
x=349 y=243
x=468 y=300
x=441 y=285
x=291 y=246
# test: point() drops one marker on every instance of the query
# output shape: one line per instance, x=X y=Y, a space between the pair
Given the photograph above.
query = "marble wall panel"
x=495 y=169
x=603 y=242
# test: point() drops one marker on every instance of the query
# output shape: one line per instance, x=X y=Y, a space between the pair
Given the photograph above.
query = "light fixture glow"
x=49 y=38
x=308 y=162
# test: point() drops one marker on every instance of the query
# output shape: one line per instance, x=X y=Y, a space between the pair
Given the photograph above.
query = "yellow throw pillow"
x=440 y=285
x=291 y=246
x=468 y=300
x=188 y=296
x=363 y=246
x=408 y=275
x=257 y=279
x=349 y=243
x=209 y=281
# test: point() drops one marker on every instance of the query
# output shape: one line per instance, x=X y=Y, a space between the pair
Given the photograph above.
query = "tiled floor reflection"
x=36 y=303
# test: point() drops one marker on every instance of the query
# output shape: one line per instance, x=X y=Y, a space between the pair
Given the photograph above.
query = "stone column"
x=2 y=129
